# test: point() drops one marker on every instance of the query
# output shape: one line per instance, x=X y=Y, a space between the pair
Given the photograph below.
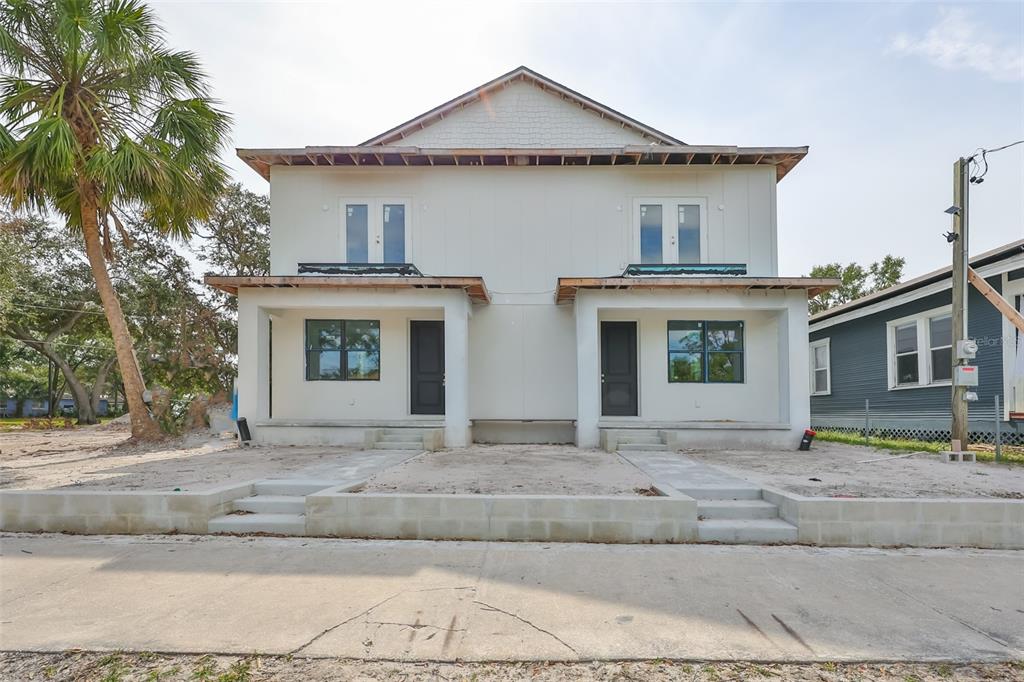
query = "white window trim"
x=375 y=225
x=702 y=202
x=827 y=344
x=924 y=353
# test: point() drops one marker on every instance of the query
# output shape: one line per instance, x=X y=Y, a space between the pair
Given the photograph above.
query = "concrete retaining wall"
x=115 y=511
x=672 y=518
x=883 y=522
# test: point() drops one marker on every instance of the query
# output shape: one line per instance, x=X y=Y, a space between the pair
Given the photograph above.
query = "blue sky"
x=887 y=95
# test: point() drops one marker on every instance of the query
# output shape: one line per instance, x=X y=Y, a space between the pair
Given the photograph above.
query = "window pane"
x=820 y=357
x=725 y=336
x=906 y=338
x=820 y=380
x=906 y=369
x=650 y=233
x=357 y=223
x=362 y=335
x=689 y=233
x=323 y=365
x=323 y=334
x=685 y=367
x=685 y=336
x=941 y=331
x=725 y=367
x=942 y=364
x=363 y=364
x=394 y=233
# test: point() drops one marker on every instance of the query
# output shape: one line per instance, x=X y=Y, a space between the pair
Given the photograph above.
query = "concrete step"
x=398 y=438
x=752 y=532
x=643 y=447
x=272 y=504
x=288 y=486
x=648 y=440
x=736 y=509
x=402 y=434
x=282 y=524
x=705 y=492
x=398 y=445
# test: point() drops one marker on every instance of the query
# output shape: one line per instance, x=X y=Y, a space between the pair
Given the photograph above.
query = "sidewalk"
x=491 y=601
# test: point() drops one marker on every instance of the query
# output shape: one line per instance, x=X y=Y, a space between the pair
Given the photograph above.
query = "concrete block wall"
x=116 y=511
x=882 y=522
x=544 y=518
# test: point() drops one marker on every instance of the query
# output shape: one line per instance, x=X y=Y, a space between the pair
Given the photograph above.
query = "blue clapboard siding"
x=859 y=364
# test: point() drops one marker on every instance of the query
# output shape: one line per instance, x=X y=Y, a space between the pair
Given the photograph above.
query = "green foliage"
x=856 y=281
x=1010 y=454
x=95 y=108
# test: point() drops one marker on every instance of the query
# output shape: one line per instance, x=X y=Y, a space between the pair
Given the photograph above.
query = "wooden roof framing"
x=473 y=286
x=569 y=286
x=782 y=158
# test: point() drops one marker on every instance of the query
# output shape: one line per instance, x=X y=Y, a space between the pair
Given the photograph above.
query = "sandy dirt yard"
x=100 y=457
x=835 y=469
x=513 y=469
x=16 y=667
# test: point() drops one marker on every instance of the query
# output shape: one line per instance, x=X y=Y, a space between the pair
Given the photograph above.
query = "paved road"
x=491 y=601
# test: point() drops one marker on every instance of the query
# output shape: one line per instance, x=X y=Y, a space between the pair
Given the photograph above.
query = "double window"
x=376 y=230
x=821 y=370
x=704 y=351
x=920 y=350
x=342 y=350
x=670 y=230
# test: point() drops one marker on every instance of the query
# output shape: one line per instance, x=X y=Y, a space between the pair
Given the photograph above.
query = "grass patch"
x=984 y=453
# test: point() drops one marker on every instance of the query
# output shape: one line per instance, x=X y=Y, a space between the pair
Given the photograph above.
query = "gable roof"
x=1005 y=252
x=520 y=74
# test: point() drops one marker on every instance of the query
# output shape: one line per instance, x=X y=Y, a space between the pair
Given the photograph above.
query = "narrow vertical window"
x=394 y=233
x=906 y=354
x=323 y=350
x=725 y=352
x=821 y=379
x=357 y=233
x=685 y=352
x=940 y=342
x=689 y=233
x=651 y=240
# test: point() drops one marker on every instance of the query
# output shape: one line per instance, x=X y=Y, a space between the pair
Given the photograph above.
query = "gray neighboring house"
x=892 y=348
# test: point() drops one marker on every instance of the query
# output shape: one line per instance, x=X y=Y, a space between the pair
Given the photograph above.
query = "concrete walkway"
x=683 y=473
x=491 y=601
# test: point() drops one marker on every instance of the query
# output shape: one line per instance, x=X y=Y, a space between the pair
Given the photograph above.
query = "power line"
x=978 y=178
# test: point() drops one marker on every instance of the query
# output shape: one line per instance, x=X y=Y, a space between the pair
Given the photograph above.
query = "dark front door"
x=618 y=369
x=426 y=366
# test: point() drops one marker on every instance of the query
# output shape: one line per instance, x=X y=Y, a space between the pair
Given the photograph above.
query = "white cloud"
x=957 y=42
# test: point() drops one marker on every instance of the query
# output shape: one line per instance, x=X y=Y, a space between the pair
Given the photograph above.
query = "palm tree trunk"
x=143 y=425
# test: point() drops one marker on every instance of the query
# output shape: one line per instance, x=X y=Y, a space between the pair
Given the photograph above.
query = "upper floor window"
x=670 y=230
x=342 y=350
x=821 y=367
x=376 y=230
x=705 y=351
x=920 y=349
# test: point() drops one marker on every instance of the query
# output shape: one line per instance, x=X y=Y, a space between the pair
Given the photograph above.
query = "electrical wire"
x=976 y=177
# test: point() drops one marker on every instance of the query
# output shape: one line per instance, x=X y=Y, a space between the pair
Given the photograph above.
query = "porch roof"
x=473 y=286
x=569 y=286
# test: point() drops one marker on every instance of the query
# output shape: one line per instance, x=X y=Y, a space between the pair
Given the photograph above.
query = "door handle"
x=602 y=377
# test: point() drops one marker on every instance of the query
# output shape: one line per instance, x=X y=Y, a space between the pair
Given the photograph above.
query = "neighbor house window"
x=906 y=354
x=705 y=351
x=940 y=342
x=376 y=230
x=821 y=372
x=342 y=350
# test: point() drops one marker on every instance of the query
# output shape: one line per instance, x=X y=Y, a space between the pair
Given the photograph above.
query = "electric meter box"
x=965 y=375
x=966 y=349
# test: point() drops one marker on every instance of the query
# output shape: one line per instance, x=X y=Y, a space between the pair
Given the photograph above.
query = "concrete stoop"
x=408 y=439
x=739 y=515
x=633 y=440
x=276 y=506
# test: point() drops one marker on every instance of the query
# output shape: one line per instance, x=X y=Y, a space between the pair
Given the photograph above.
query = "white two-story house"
x=523 y=264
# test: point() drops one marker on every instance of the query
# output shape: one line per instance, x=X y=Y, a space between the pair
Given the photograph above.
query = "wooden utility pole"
x=958 y=428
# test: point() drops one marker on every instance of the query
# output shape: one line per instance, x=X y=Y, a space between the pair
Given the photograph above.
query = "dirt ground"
x=513 y=469
x=838 y=470
x=124 y=667
x=99 y=457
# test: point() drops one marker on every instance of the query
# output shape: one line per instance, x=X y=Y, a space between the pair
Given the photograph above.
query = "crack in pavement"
x=414 y=626
x=489 y=607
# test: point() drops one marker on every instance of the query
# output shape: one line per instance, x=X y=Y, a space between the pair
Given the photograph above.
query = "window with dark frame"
x=342 y=350
x=705 y=351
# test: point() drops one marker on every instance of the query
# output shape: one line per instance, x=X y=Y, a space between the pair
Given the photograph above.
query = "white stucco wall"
x=523 y=115
x=522 y=228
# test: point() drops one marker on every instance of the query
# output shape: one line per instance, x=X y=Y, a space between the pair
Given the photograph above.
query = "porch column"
x=588 y=372
x=456 y=370
x=799 y=362
x=253 y=359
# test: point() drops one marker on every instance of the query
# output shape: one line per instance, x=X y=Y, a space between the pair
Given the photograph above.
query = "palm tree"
x=98 y=117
